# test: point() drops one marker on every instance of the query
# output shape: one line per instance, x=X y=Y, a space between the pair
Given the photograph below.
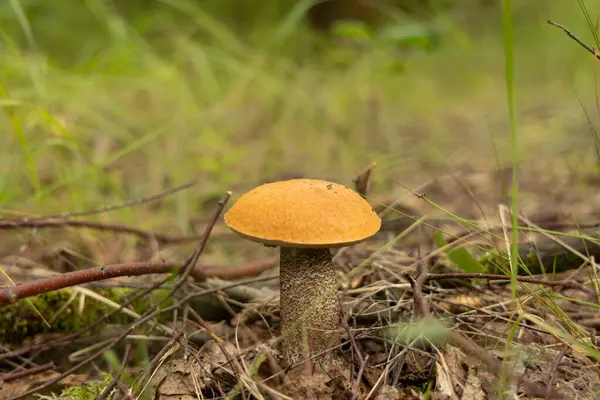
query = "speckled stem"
x=310 y=310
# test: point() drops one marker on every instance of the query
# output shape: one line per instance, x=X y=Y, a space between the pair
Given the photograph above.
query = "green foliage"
x=66 y=313
x=530 y=263
x=461 y=257
x=87 y=391
x=60 y=308
x=422 y=332
x=109 y=100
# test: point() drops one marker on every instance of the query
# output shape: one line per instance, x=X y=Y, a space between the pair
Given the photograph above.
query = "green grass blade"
x=22 y=18
x=131 y=147
x=460 y=257
x=208 y=24
x=292 y=20
x=510 y=77
x=590 y=23
x=19 y=133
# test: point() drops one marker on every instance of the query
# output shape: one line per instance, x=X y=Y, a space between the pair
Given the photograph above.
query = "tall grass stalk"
x=510 y=77
x=590 y=23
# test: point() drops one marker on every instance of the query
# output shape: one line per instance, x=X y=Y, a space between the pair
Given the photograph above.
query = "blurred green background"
x=106 y=100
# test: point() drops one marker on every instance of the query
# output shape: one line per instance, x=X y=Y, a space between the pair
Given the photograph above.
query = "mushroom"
x=305 y=218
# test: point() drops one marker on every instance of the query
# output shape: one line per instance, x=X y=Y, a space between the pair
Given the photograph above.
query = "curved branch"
x=24 y=223
x=524 y=279
x=11 y=294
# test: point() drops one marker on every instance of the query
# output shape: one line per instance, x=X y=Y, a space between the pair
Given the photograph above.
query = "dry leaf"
x=450 y=374
x=333 y=384
x=388 y=393
x=473 y=389
x=443 y=384
x=177 y=379
x=11 y=389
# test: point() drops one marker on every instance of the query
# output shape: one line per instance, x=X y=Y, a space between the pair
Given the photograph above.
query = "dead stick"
x=147 y=316
x=554 y=368
x=126 y=204
x=27 y=223
x=158 y=357
x=497 y=277
x=25 y=373
x=33 y=288
x=150 y=314
x=115 y=381
x=575 y=38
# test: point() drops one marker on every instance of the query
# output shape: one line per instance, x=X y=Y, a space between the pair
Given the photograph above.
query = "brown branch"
x=26 y=372
x=11 y=294
x=554 y=368
x=190 y=263
x=60 y=220
x=29 y=223
x=115 y=381
x=149 y=370
x=252 y=268
x=33 y=288
x=575 y=38
x=524 y=279
x=150 y=314
x=126 y=204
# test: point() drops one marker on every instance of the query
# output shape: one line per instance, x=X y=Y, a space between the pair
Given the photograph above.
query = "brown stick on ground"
x=27 y=289
x=146 y=317
x=12 y=376
x=27 y=223
x=115 y=381
x=185 y=269
x=496 y=277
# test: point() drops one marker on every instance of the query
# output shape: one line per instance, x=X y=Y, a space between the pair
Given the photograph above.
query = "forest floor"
x=92 y=306
x=545 y=334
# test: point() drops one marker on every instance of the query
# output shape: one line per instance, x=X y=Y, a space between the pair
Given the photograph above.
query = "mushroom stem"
x=309 y=305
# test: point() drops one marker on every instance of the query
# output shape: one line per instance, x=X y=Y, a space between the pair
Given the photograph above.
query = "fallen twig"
x=575 y=38
x=150 y=314
x=157 y=358
x=524 y=279
x=126 y=204
x=32 y=288
x=115 y=381
x=12 y=376
x=554 y=368
x=39 y=223
x=63 y=220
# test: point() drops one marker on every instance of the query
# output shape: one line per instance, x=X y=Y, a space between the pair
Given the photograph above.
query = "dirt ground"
x=539 y=343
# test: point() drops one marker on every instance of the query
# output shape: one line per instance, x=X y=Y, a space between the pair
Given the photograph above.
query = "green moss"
x=87 y=391
x=496 y=261
x=21 y=320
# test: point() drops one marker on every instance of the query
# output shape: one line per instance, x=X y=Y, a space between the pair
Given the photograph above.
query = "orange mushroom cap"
x=303 y=213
